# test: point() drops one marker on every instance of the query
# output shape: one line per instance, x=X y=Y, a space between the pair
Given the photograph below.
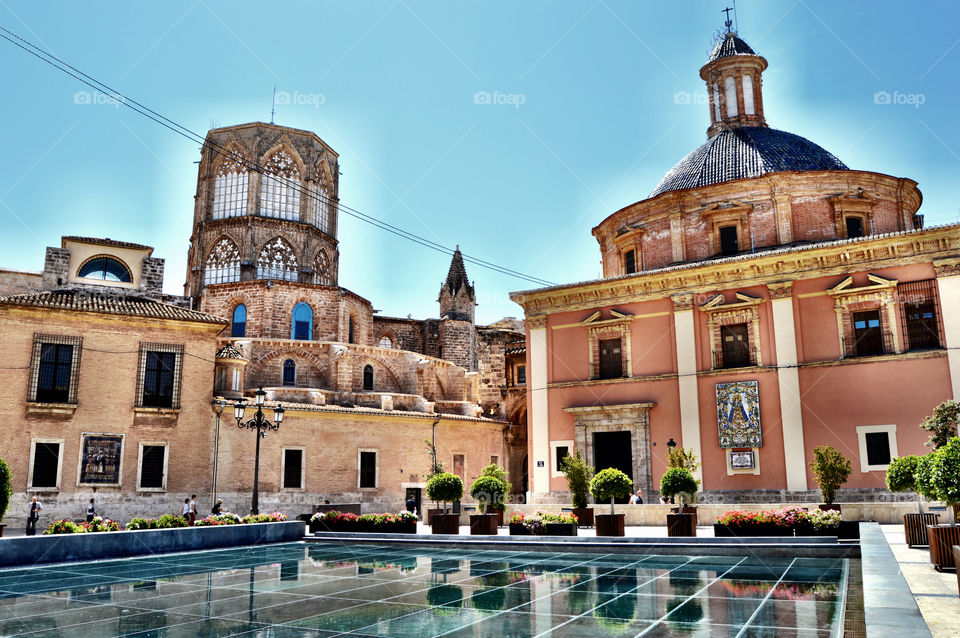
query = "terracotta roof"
x=105 y=242
x=230 y=351
x=108 y=303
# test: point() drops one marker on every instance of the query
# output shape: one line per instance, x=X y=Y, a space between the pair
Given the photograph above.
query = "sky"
x=509 y=129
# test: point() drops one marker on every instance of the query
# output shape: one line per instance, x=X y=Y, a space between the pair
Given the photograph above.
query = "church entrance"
x=613 y=449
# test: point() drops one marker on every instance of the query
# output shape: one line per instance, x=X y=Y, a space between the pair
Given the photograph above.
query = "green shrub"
x=497 y=472
x=5 y=490
x=923 y=477
x=900 y=474
x=609 y=484
x=64 y=526
x=578 y=473
x=445 y=488
x=488 y=491
x=946 y=472
x=170 y=520
x=831 y=469
x=678 y=482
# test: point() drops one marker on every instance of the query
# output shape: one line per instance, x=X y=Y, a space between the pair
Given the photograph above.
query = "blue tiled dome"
x=749 y=151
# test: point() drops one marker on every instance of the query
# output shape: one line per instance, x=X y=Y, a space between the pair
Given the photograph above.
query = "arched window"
x=289 y=372
x=368 y=377
x=230 y=189
x=223 y=263
x=239 y=327
x=730 y=87
x=280 y=187
x=321 y=270
x=105 y=268
x=277 y=261
x=302 y=324
x=350 y=330
x=748 y=95
x=386 y=342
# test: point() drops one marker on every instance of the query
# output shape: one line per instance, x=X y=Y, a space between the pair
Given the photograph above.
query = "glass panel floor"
x=328 y=589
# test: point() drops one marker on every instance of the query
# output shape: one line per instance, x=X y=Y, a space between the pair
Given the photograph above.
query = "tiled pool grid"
x=327 y=589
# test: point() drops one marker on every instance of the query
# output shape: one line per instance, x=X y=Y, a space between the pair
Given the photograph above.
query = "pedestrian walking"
x=185 y=511
x=91 y=511
x=193 y=509
x=33 y=516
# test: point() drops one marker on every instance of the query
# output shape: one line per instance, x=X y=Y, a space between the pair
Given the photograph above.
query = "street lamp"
x=260 y=425
x=671 y=443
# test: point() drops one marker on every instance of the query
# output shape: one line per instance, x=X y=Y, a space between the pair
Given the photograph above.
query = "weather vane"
x=728 y=23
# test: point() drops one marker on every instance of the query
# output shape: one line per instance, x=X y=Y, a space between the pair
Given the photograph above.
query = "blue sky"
x=588 y=110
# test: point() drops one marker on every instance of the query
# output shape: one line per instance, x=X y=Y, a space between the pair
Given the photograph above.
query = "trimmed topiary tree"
x=5 y=490
x=678 y=482
x=445 y=488
x=609 y=484
x=900 y=474
x=831 y=469
x=945 y=477
x=498 y=472
x=488 y=491
x=923 y=477
x=578 y=473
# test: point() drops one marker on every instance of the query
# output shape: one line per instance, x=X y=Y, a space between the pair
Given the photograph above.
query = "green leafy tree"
x=684 y=458
x=445 y=488
x=5 y=490
x=578 y=473
x=488 y=491
x=831 y=469
x=609 y=484
x=923 y=477
x=679 y=482
x=499 y=473
x=942 y=423
x=900 y=474
x=945 y=477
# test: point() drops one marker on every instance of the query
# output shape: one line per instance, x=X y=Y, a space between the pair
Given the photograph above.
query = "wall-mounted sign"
x=540 y=463
x=100 y=456
x=742 y=460
x=738 y=414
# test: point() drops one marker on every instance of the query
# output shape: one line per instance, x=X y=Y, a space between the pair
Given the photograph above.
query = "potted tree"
x=497 y=506
x=445 y=488
x=435 y=468
x=831 y=469
x=942 y=425
x=607 y=485
x=487 y=490
x=901 y=478
x=681 y=457
x=943 y=481
x=678 y=483
x=5 y=491
x=578 y=473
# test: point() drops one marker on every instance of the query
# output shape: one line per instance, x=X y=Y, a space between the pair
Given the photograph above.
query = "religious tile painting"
x=738 y=414
x=100 y=464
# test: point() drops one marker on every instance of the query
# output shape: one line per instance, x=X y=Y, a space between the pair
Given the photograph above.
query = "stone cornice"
x=941 y=245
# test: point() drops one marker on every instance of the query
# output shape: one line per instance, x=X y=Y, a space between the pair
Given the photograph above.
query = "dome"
x=730 y=45
x=748 y=151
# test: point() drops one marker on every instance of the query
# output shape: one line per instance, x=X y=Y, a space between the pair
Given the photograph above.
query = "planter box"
x=55 y=548
x=561 y=529
x=584 y=515
x=431 y=513
x=517 y=529
x=483 y=524
x=687 y=509
x=445 y=523
x=956 y=561
x=942 y=538
x=829 y=508
x=727 y=531
x=848 y=530
x=915 y=528
x=609 y=524
x=681 y=525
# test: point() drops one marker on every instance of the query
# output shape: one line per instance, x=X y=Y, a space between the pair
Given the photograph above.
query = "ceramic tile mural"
x=738 y=414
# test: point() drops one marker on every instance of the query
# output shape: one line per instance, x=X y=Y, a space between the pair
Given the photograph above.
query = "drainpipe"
x=218 y=406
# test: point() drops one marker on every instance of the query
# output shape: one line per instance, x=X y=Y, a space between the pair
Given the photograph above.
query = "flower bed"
x=333 y=521
x=784 y=522
x=543 y=523
x=167 y=521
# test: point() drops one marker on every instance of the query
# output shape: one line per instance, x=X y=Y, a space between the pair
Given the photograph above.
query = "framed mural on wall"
x=738 y=414
x=100 y=459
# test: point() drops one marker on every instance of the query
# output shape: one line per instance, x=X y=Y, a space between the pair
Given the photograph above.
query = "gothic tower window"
x=350 y=330
x=289 y=372
x=230 y=189
x=368 y=377
x=223 y=263
x=321 y=270
x=322 y=205
x=302 y=325
x=277 y=261
x=280 y=187
x=238 y=327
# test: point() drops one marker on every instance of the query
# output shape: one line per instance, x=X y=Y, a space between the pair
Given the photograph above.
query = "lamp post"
x=671 y=443
x=260 y=425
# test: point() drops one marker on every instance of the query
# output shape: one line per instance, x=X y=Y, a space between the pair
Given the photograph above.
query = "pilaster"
x=685 y=335
x=788 y=380
x=538 y=415
x=948 y=284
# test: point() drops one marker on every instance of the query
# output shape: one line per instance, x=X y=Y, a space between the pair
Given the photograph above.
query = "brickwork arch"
x=267 y=368
x=284 y=144
x=390 y=382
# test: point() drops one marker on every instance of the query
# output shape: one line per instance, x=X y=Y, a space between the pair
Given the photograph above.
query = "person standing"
x=33 y=516
x=193 y=508
x=185 y=511
x=636 y=499
x=91 y=511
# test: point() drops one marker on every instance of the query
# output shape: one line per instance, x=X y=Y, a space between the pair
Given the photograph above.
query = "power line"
x=195 y=137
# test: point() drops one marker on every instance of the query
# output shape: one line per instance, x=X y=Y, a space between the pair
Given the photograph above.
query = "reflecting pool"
x=328 y=589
